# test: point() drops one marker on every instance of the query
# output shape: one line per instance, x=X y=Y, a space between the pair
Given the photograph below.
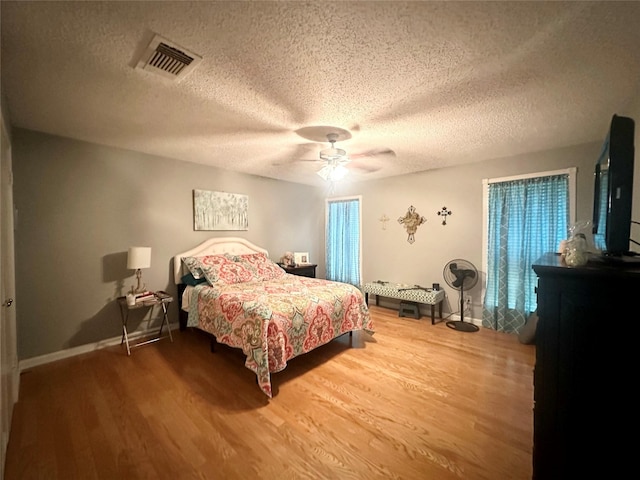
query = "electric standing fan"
x=461 y=275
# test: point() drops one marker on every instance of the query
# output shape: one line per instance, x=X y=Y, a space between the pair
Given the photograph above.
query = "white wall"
x=387 y=254
x=80 y=206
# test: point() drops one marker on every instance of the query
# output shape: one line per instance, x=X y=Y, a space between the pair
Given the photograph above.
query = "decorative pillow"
x=261 y=266
x=222 y=268
x=189 y=279
x=193 y=264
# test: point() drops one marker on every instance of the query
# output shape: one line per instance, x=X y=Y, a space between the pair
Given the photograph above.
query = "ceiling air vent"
x=167 y=59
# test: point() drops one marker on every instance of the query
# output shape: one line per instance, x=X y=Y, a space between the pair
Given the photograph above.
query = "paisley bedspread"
x=279 y=319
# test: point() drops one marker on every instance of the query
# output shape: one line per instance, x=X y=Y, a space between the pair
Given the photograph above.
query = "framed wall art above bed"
x=220 y=211
x=231 y=289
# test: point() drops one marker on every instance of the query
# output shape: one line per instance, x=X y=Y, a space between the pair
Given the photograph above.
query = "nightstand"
x=160 y=298
x=307 y=270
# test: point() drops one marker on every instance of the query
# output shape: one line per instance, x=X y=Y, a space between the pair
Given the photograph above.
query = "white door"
x=9 y=383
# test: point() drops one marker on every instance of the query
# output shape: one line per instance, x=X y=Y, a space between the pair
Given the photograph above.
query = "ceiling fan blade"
x=374 y=152
x=363 y=167
x=303 y=152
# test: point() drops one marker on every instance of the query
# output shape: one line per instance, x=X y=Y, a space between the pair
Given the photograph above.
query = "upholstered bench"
x=411 y=293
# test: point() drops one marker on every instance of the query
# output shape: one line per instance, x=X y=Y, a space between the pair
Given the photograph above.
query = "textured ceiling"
x=437 y=83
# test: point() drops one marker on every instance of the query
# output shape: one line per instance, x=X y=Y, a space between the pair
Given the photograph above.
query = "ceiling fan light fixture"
x=332 y=172
x=332 y=153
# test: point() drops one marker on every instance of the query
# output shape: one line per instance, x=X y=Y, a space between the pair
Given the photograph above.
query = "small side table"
x=161 y=299
x=304 y=270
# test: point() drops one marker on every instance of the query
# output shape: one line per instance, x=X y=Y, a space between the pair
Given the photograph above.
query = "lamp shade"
x=139 y=257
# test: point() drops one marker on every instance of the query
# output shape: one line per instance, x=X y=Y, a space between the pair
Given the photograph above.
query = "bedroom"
x=81 y=205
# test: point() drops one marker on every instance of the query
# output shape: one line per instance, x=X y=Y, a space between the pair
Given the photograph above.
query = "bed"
x=229 y=288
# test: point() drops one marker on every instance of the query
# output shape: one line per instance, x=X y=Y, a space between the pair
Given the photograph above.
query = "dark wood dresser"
x=308 y=270
x=586 y=365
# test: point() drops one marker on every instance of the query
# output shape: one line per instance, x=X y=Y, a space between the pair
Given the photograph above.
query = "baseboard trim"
x=72 y=352
x=386 y=302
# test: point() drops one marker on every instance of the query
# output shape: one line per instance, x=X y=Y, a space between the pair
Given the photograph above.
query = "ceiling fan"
x=332 y=153
x=336 y=159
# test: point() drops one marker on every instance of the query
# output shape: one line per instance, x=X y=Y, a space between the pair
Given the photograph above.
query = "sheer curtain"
x=343 y=240
x=526 y=218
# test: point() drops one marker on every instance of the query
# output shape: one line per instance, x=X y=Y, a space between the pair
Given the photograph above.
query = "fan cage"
x=461 y=264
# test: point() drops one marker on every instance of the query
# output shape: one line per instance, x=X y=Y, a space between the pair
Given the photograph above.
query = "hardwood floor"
x=413 y=401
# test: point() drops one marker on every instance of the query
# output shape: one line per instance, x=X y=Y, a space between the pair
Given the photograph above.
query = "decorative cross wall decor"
x=411 y=221
x=444 y=212
x=384 y=219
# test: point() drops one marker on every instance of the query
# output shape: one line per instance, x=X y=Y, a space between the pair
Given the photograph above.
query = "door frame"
x=10 y=375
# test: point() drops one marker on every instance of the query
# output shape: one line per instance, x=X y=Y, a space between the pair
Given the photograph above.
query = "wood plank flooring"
x=413 y=401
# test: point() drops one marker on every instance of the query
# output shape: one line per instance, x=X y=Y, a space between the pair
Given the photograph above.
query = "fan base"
x=462 y=326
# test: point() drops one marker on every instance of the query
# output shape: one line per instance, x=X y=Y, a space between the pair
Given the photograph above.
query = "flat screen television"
x=613 y=190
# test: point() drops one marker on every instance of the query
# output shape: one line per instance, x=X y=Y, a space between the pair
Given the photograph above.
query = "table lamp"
x=137 y=259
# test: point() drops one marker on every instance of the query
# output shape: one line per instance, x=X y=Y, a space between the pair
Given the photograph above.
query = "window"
x=525 y=217
x=343 y=241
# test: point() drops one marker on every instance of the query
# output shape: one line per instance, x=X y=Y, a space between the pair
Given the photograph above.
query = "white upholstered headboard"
x=213 y=246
